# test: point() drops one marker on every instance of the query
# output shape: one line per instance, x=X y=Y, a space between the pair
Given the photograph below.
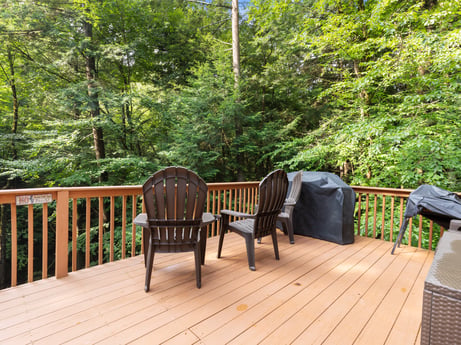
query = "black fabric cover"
x=434 y=203
x=325 y=209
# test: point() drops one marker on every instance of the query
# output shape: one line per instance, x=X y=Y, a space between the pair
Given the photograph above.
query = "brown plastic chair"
x=174 y=199
x=286 y=217
x=272 y=193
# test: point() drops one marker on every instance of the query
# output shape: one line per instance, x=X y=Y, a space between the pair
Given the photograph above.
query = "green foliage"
x=392 y=86
x=375 y=226
x=94 y=246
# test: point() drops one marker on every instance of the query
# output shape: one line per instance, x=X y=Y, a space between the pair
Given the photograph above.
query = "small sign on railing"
x=33 y=199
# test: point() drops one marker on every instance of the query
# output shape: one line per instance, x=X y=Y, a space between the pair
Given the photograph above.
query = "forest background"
x=105 y=92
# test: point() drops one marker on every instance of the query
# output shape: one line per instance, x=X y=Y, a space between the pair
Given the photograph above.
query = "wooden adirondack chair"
x=174 y=199
x=272 y=193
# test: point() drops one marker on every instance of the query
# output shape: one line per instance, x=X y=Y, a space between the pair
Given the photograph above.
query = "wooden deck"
x=318 y=293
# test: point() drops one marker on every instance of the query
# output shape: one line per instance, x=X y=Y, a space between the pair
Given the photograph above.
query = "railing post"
x=62 y=233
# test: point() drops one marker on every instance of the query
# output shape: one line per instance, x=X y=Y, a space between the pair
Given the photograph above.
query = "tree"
x=391 y=88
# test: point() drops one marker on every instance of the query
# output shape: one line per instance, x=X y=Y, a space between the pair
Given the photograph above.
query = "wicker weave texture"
x=441 y=322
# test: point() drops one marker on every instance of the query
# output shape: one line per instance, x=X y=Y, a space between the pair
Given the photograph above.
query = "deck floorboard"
x=317 y=293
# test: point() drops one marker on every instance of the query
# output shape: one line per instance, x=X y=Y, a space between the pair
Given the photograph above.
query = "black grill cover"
x=325 y=209
x=434 y=203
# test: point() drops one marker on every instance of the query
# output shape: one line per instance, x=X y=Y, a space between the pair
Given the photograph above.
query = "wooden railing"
x=70 y=216
x=72 y=228
x=380 y=212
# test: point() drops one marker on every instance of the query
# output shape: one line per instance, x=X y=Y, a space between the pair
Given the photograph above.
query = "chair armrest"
x=289 y=202
x=208 y=218
x=237 y=214
x=455 y=224
x=141 y=220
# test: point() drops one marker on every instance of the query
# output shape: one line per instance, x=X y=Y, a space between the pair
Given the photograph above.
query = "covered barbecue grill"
x=325 y=209
x=434 y=203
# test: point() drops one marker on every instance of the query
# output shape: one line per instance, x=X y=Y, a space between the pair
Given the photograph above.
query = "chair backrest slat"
x=170 y=188
x=296 y=185
x=272 y=193
x=181 y=191
x=174 y=199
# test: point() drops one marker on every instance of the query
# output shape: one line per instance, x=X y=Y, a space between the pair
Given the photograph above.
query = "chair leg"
x=149 y=265
x=250 y=244
x=224 y=223
x=198 y=265
x=221 y=240
x=203 y=238
x=287 y=226
x=284 y=223
x=146 y=236
x=275 y=243
x=290 y=231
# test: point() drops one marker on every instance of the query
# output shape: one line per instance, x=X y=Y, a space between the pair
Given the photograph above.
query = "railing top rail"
x=9 y=195
x=400 y=192
x=231 y=185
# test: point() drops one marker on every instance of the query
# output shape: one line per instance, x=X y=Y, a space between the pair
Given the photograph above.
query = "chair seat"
x=244 y=226
x=283 y=215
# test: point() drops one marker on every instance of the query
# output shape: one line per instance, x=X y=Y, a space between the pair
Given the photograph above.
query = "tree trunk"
x=235 y=41
x=14 y=153
x=236 y=69
x=428 y=4
x=95 y=113
x=363 y=94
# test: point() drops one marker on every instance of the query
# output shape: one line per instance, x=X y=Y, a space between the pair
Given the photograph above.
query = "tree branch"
x=24 y=32
x=4 y=72
x=209 y=3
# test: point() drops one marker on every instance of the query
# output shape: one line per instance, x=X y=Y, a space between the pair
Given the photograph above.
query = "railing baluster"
x=30 y=243
x=410 y=229
x=220 y=194
x=45 y=241
x=14 y=246
x=208 y=201
x=133 y=227
x=74 y=234
x=142 y=232
x=112 y=228
x=239 y=199
x=367 y=200
x=391 y=231
x=420 y=234
x=87 y=232
x=383 y=219
x=401 y=212
x=245 y=203
x=431 y=226
x=359 y=213
x=100 y=235
x=375 y=202
x=124 y=226
x=213 y=211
